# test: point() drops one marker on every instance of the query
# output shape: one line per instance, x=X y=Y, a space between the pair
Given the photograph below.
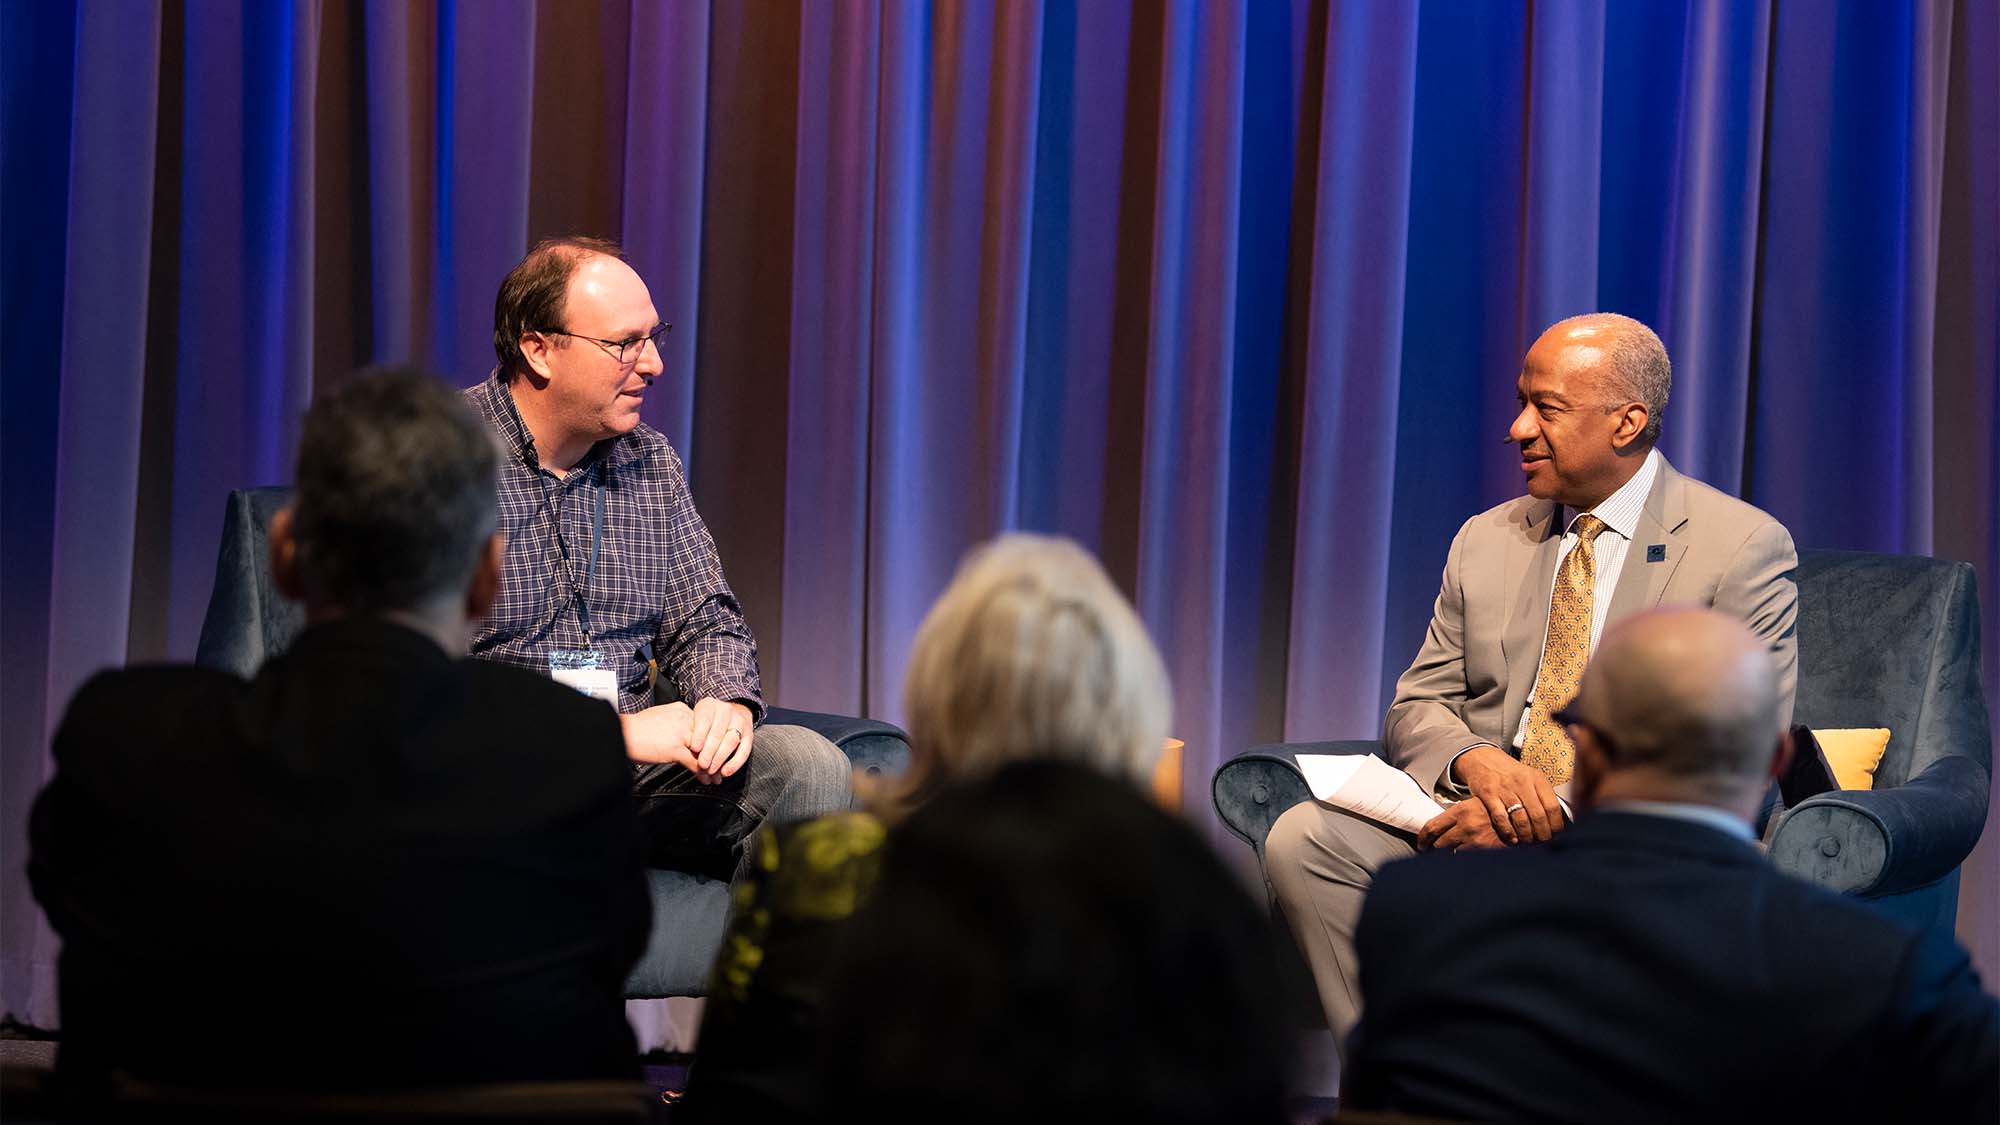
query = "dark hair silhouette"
x=395 y=491
x=1045 y=943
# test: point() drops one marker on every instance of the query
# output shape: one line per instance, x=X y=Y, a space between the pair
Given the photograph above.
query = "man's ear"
x=535 y=349
x=285 y=557
x=484 y=589
x=1632 y=421
x=1587 y=771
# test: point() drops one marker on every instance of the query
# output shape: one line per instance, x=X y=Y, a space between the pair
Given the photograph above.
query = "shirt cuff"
x=748 y=694
x=744 y=694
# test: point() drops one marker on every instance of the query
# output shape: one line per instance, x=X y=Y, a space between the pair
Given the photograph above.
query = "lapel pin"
x=1656 y=552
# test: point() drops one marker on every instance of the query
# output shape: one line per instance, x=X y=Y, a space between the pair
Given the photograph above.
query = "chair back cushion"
x=1892 y=641
x=248 y=621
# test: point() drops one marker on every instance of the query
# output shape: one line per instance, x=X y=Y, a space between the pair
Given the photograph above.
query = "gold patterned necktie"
x=1547 y=746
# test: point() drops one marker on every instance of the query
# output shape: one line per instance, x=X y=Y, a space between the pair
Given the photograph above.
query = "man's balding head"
x=1631 y=365
x=1679 y=705
x=535 y=293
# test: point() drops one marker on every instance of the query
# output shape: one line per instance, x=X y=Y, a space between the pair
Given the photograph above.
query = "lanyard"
x=590 y=568
x=578 y=590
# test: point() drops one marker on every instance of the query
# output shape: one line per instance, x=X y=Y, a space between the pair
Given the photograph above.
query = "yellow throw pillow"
x=1854 y=753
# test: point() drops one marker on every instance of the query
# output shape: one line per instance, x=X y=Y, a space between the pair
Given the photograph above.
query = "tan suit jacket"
x=1471 y=680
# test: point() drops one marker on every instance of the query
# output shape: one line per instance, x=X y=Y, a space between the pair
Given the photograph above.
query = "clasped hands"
x=1511 y=803
x=712 y=738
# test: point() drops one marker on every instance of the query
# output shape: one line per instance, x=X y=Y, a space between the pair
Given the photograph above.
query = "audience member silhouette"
x=1045 y=944
x=377 y=864
x=1648 y=964
x=1030 y=653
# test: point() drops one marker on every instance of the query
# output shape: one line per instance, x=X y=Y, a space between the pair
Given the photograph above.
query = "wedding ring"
x=1516 y=805
x=736 y=732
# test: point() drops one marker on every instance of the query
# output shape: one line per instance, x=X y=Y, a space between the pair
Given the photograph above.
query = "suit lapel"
x=1530 y=571
x=1662 y=523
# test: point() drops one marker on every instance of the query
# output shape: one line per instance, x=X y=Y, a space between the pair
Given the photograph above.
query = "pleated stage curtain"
x=1234 y=293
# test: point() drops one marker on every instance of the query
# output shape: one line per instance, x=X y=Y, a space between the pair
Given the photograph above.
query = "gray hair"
x=1635 y=366
x=396 y=492
x=1031 y=652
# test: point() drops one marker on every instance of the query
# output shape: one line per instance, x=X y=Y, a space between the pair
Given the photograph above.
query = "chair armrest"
x=1254 y=788
x=873 y=746
x=1881 y=842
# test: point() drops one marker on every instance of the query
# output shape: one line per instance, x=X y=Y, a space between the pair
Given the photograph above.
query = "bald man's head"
x=1684 y=704
x=1631 y=363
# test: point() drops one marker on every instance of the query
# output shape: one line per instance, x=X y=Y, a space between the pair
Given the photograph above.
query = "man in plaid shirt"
x=611 y=580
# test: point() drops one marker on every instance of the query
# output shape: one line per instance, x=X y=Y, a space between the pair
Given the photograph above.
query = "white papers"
x=1365 y=785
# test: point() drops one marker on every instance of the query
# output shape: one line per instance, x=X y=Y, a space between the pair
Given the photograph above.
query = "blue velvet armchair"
x=1884 y=641
x=248 y=621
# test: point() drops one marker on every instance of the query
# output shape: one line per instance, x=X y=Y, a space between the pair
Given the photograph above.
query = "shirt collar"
x=1620 y=511
x=1680 y=810
x=496 y=401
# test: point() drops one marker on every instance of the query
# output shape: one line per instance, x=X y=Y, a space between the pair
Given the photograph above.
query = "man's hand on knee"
x=719 y=738
x=1463 y=824
x=659 y=735
x=1518 y=798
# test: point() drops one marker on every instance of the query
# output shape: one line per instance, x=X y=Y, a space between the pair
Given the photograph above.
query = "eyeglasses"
x=1569 y=717
x=626 y=352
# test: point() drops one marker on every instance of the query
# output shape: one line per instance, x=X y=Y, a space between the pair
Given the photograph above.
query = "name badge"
x=584 y=670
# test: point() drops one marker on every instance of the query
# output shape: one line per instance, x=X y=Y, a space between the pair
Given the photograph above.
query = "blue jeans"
x=793 y=774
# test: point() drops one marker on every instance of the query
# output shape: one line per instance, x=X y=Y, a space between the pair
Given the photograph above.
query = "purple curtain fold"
x=483 y=154
x=1337 y=660
x=1843 y=355
x=90 y=544
x=666 y=113
x=393 y=155
x=1079 y=383
x=823 y=662
x=244 y=331
x=1190 y=367
x=1231 y=292
x=1704 y=278
x=954 y=155
x=1565 y=101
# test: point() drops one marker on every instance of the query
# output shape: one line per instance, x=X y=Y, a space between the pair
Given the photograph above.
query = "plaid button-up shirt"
x=656 y=579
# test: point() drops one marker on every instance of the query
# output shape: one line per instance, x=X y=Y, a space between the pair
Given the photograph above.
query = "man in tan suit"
x=1607 y=529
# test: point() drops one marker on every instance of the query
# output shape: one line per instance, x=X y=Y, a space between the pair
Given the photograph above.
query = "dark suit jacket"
x=1640 y=968
x=372 y=866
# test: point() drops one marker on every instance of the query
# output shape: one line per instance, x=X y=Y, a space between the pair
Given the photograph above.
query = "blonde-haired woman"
x=1031 y=652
